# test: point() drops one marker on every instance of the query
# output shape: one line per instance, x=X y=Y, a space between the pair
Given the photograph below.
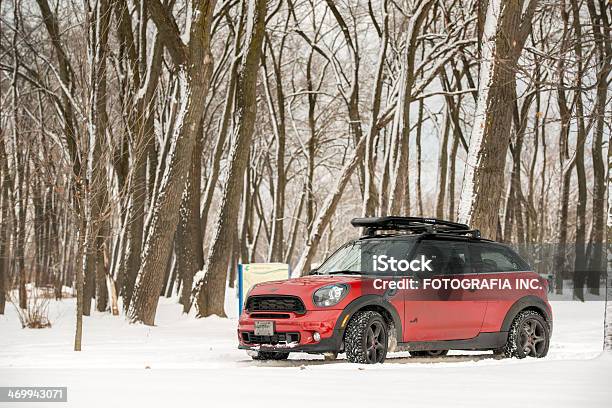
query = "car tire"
x=529 y=336
x=429 y=353
x=366 y=338
x=270 y=355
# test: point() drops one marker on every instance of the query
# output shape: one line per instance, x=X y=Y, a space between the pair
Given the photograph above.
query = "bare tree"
x=608 y=304
x=506 y=29
x=143 y=73
x=188 y=242
x=210 y=290
x=96 y=191
x=600 y=26
x=5 y=229
x=194 y=64
x=399 y=200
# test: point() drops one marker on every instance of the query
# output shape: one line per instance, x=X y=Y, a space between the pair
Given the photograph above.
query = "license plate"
x=264 y=328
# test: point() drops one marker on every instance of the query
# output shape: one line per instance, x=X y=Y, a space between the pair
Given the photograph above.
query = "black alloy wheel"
x=366 y=338
x=529 y=336
x=533 y=338
x=376 y=340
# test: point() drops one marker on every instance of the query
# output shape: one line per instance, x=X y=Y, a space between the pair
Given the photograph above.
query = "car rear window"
x=488 y=257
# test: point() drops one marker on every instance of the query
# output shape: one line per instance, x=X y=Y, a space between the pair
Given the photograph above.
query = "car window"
x=494 y=258
x=447 y=257
x=358 y=256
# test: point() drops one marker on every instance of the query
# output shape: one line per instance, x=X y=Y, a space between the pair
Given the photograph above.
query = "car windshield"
x=357 y=257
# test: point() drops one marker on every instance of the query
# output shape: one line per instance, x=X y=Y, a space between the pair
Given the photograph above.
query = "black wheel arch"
x=371 y=302
x=528 y=302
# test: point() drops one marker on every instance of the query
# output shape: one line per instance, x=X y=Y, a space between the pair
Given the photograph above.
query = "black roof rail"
x=417 y=225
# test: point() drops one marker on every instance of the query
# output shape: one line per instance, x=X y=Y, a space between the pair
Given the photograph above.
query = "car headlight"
x=330 y=295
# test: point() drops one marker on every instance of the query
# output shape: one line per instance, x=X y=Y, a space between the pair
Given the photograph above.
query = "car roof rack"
x=415 y=225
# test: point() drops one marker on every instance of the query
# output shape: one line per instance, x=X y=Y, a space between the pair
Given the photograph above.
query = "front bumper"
x=321 y=321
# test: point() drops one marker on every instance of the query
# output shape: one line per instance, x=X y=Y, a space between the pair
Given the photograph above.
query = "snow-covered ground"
x=189 y=361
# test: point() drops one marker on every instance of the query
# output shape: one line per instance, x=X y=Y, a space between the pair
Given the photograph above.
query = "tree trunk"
x=5 y=226
x=560 y=262
x=451 y=179
x=210 y=291
x=399 y=200
x=235 y=260
x=580 y=261
x=278 y=118
x=506 y=29
x=608 y=304
x=140 y=111
x=383 y=185
x=38 y=233
x=194 y=64
x=78 y=336
x=96 y=173
x=188 y=240
x=211 y=183
x=89 y=269
x=419 y=163
x=442 y=166
x=601 y=29
x=311 y=145
x=370 y=203
x=566 y=164
x=514 y=202
x=134 y=230
x=172 y=280
x=293 y=230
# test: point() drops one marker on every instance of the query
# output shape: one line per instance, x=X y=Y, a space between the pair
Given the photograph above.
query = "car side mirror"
x=313 y=271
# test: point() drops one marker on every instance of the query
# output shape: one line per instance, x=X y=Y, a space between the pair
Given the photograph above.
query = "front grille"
x=275 y=304
x=276 y=338
x=270 y=316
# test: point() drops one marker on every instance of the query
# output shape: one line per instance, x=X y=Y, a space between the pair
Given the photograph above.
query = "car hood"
x=299 y=286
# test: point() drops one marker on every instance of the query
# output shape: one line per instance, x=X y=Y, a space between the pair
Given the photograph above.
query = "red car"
x=421 y=285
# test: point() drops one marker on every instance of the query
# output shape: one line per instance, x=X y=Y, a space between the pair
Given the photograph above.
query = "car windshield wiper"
x=345 y=273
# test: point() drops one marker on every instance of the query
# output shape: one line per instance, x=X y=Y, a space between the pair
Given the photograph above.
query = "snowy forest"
x=148 y=147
